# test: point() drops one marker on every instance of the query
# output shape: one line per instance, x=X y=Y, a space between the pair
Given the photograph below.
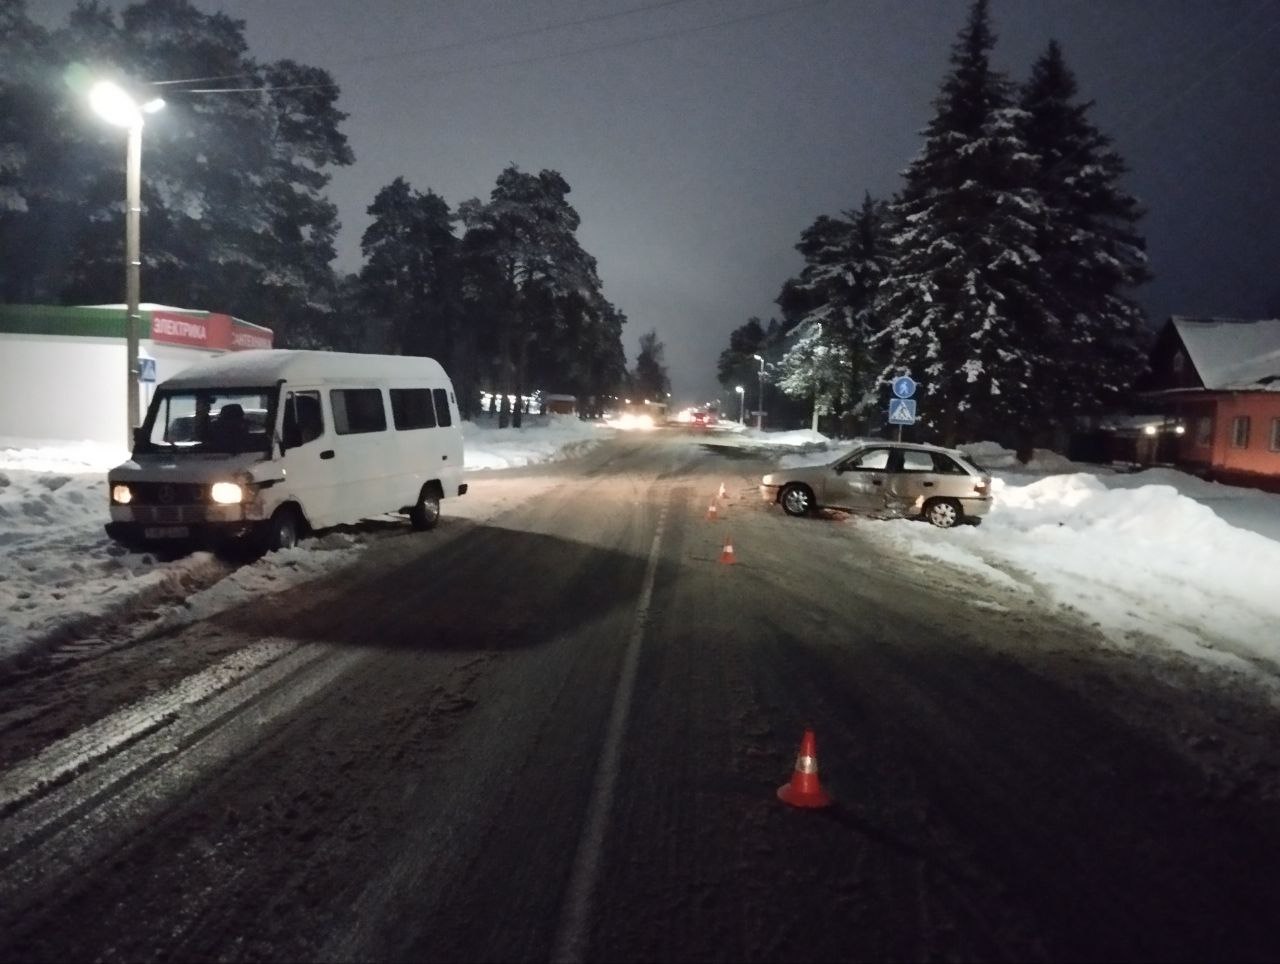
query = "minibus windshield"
x=202 y=421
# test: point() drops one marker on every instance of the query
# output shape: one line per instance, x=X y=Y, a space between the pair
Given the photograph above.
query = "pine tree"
x=736 y=365
x=410 y=275
x=1092 y=253
x=528 y=266
x=649 y=379
x=963 y=302
x=831 y=358
x=234 y=213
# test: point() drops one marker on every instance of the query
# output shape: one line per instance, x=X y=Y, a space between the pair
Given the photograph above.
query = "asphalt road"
x=558 y=736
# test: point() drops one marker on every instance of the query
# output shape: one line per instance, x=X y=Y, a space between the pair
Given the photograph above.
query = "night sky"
x=701 y=136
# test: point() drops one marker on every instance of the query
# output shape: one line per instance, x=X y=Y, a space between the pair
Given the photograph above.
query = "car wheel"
x=797 y=499
x=283 y=530
x=426 y=514
x=944 y=513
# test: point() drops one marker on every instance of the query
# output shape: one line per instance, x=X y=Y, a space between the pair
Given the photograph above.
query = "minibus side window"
x=411 y=408
x=303 y=418
x=442 y=406
x=357 y=410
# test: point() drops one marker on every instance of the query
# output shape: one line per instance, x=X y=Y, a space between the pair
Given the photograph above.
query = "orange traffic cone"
x=804 y=790
x=721 y=490
x=726 y=554
x=712 y=512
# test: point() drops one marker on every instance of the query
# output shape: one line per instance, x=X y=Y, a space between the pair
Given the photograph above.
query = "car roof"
x=915 y=446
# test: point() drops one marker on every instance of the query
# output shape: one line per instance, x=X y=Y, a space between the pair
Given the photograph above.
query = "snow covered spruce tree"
x=1091 y=251
x=964 y=299
x=830 y=356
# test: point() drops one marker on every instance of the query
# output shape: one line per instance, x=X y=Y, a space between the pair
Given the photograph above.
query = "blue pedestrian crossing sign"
x=902 y=411
x=904 y=386
x=146 y=369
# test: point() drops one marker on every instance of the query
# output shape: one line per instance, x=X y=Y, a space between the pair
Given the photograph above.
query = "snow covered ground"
x=1154 y=558
x=58 y=568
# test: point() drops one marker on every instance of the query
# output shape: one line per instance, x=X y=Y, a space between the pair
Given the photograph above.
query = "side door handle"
x=327 y=454
x=928 y=485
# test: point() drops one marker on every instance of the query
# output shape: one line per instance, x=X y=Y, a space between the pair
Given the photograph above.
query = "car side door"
x=857 y=482
x=307 y=453
x=913 y=480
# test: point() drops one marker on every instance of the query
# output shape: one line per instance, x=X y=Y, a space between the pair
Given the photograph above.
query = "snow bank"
x=58 y=569
x=1145 y=562
x=563 y=436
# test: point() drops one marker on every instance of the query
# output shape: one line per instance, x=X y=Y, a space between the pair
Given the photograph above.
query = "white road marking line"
x=573 y=931
x=138 y=757
x=97 y=740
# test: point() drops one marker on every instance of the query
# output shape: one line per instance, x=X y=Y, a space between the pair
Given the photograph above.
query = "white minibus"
x=269 y=444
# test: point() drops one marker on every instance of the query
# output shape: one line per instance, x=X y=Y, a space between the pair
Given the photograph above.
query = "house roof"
x=1231 y=353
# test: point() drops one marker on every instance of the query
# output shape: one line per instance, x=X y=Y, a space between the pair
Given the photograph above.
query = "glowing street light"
x=742 y=404
x=114 y=105
x=760 y=412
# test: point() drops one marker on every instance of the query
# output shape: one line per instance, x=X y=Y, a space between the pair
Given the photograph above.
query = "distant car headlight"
x=121 y=495
x=767 y=480
x=227 y=493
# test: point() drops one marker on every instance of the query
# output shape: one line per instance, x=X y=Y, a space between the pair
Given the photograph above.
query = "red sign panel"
x=212 y=331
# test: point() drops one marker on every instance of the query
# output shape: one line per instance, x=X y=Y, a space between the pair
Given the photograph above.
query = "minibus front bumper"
x=145 y=534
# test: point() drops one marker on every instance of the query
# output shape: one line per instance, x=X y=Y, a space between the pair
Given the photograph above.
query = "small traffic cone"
x=804 y=790
x=721 y=490
x=726 y=554
x=712 y=512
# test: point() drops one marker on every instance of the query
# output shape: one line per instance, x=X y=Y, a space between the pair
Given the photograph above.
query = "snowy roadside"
x=58 y=568
x=1153 y=558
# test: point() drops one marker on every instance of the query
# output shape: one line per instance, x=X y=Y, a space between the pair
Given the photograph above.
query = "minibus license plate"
x=166 y=532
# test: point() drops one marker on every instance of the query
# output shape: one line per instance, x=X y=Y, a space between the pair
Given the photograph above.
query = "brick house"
x=1220 y=379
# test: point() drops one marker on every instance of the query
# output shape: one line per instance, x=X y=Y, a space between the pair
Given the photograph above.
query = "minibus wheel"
x=426 y=514
x=283 y=529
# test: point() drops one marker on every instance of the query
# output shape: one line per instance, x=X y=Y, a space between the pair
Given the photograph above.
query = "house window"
x=1179 y=363
x=1240 y=432
x=1204 y=431
x=1275 y=435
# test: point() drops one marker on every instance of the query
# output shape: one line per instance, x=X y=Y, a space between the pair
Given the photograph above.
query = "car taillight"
x=983 y=487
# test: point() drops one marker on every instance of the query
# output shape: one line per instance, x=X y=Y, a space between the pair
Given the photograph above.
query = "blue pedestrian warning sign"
x=902 y=411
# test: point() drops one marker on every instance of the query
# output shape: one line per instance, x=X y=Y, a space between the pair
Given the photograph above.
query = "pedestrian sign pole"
x=902 y=407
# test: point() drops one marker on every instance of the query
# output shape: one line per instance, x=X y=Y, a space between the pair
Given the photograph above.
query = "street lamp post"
x=760 y=410
x=742 y=404
x=115 y=106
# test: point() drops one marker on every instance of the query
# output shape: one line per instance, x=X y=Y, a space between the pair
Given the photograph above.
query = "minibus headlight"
x=227 y=493
x=121 y=495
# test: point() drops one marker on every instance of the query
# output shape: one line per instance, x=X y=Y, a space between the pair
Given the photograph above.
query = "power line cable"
x=462 y=44
x=559 y=55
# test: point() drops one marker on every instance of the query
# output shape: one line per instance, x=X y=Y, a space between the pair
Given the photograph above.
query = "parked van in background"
x=269 y=444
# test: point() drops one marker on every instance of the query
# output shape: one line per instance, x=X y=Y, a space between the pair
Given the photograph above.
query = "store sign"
x=211 y=331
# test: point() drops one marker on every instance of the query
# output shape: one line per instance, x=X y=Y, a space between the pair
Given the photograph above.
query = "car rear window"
x=946 y=465
x=916 y=461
